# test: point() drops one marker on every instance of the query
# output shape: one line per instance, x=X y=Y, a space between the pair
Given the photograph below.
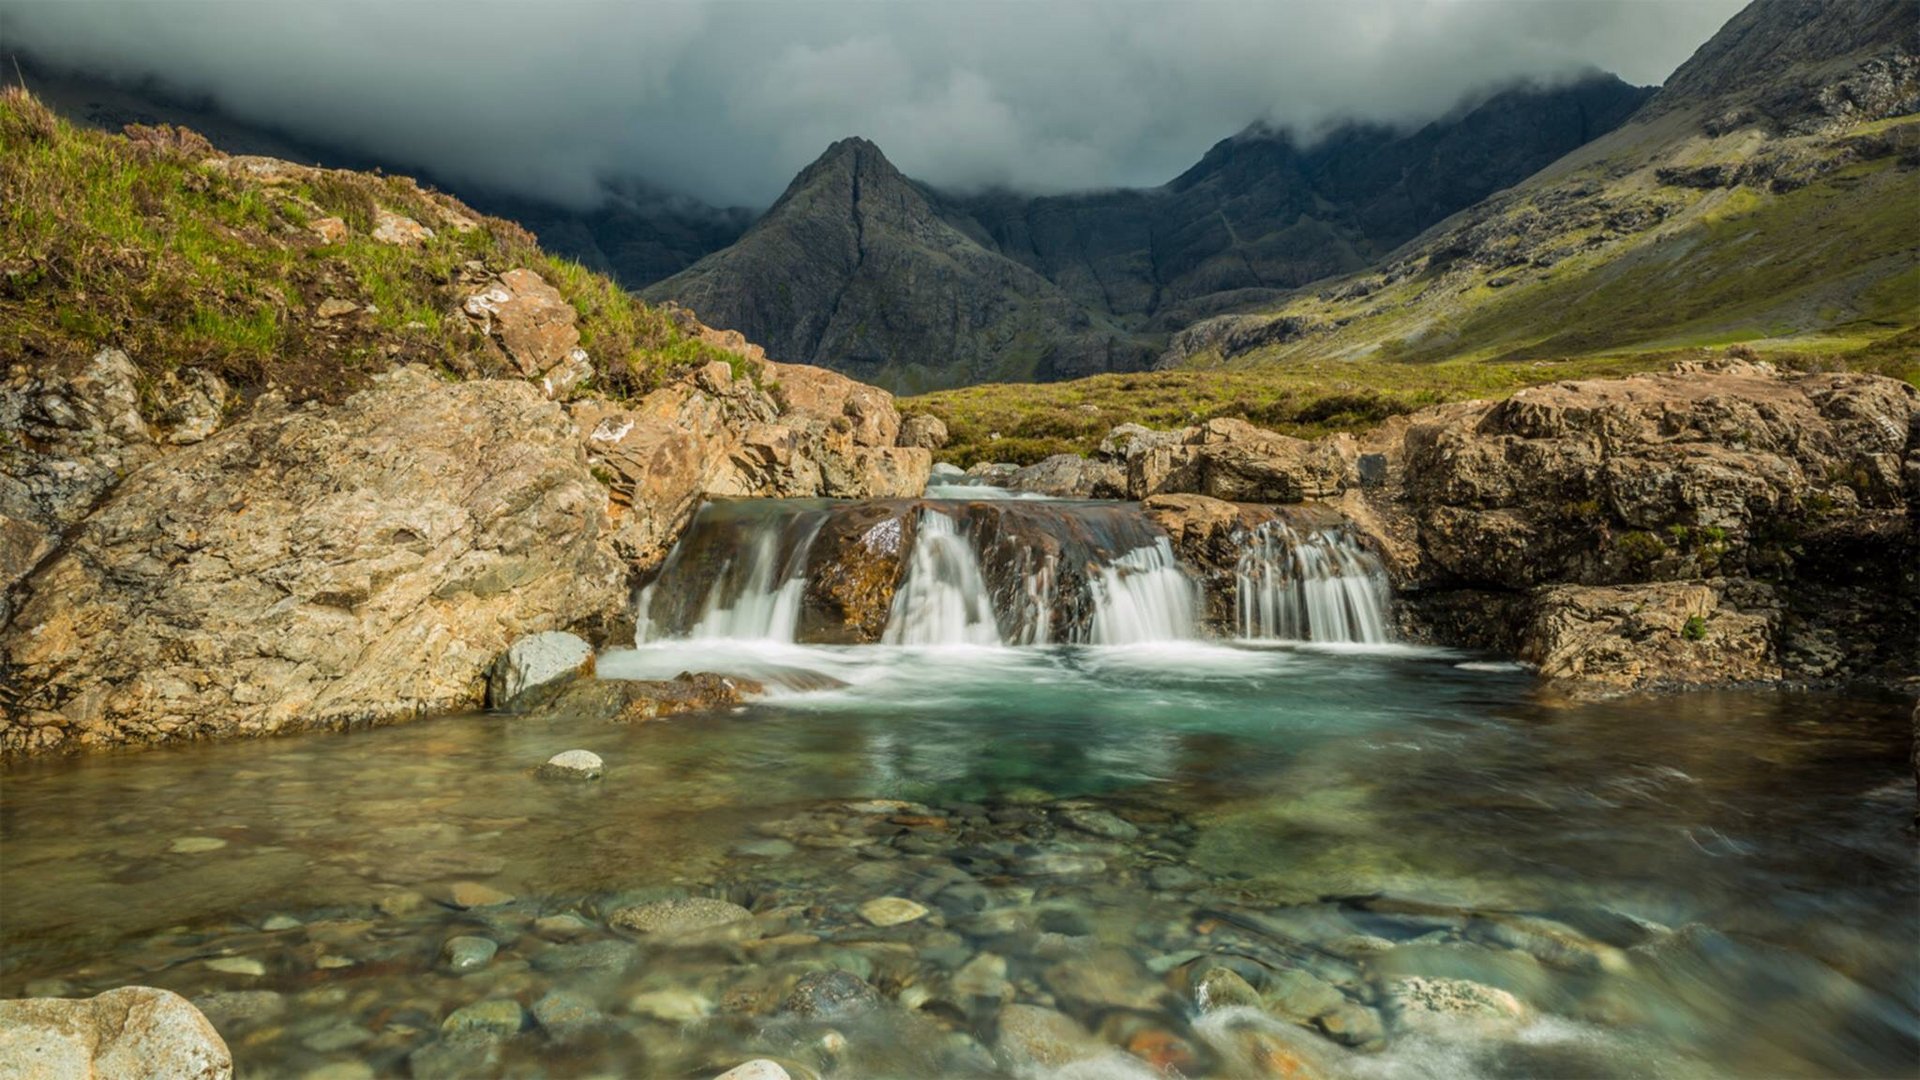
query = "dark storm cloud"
x=727 y=99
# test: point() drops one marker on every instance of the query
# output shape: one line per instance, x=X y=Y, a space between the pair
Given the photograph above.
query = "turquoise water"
x=1711 y=884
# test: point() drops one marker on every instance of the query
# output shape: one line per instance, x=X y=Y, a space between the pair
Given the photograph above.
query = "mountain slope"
x=861 y=269
x=854 y=267
x=1769 y=193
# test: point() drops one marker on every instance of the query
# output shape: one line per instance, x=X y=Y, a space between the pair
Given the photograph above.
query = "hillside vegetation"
x=1024 y=423
x=269 y=275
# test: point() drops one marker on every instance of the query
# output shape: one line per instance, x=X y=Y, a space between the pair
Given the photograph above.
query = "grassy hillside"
x=157 y=244
x=1650 y=244
x=1024 y=423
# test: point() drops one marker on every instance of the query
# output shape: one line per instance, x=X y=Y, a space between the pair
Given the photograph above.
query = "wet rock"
x=673 y=1006
x=668 y=918
x=572 y=765
x=1351 y=1025
x=1272 y=1051
x=276 y=923
x=765 y=849
x=891 y=911
x=983 y=976
x=1223 y=988
x=757 y=1069
x=1057 y=864
x=1173 y=878
x=240 y=1009
x=237 y=965
x=1105 y=978
x=565 y=926
x=1422 y=1003
x=195 y=845
x=854 y=566
x=1100 y=823
x=337 y=1037
x=1299 y=996
x=827 y=995
x=468 y=953
x=1029 y=1035
x=534 y=661
x=591 y=956
x=473 y=894
x=498 y=1016
x=565 y=1015
x=134 y=1031
x=460 y=1056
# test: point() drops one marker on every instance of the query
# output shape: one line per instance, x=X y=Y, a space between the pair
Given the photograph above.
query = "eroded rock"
x=130 y=1033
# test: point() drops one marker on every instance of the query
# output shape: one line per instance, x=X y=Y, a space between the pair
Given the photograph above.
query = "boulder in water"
x=533 y=662
x=572 y=765
x=1070 y=476
x=125 y=1034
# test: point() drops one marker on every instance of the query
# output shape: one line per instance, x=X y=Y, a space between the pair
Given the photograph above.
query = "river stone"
x=461 y=1056
x=195 y=845
x=1426 y=1003
x=828 y=995
x=277 y=923
x=591 y=956
x=891 y=911
x=130 y=1033
x=566 y=1015
x=688 y=916
x=672 y=1006
x=237 y=965
x=983 y=976
x=757 y=1069
x=1172 y=878
x=1059 y=864
x=572 y=765
x=1100 y=823
x=468 y=953
x=562 y=927
x=498 y=1016
x=1029 y=1036
x=1299 y=996
x=1351 y=1025
x=534 y=661
x=1223 y=988
x=240 y=1008
x=1104 y=978
x=472 y=894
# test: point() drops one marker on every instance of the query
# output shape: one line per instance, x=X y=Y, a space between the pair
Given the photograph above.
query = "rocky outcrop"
x=1070 y=476
x=1720 y=522
x=1230 y=459
x=313 y=567
x=131 y=1033
x=534 y=326
x=777 y=430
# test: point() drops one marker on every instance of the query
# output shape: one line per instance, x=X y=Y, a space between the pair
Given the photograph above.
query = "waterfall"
x=754 y=582
x=1143 y=596
x=1317 y=587
x=944 y=599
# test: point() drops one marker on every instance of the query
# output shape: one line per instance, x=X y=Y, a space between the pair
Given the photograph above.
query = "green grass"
x=136 y=242
x=1306 y=398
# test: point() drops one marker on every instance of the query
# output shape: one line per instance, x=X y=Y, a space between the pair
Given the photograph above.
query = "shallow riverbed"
x=1702 y=885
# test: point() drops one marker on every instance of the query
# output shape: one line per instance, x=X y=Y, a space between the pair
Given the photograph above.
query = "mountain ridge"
x=1117 y=270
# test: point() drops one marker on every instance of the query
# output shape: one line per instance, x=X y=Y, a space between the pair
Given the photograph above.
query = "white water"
x=756 y=597
x=1144 y=596
x=1321 y=587
x=944 y=599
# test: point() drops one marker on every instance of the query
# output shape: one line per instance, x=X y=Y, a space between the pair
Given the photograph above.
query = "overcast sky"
x=727 y=99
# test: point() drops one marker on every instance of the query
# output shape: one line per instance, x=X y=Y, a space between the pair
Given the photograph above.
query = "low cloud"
x=727 y=99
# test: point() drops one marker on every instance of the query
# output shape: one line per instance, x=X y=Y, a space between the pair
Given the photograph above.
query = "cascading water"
x=1143 y=596
x=753 y=572
x=944 y=599
x=1318 y=587
x=957 y=572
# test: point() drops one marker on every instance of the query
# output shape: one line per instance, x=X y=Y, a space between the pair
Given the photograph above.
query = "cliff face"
x=861 y=269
